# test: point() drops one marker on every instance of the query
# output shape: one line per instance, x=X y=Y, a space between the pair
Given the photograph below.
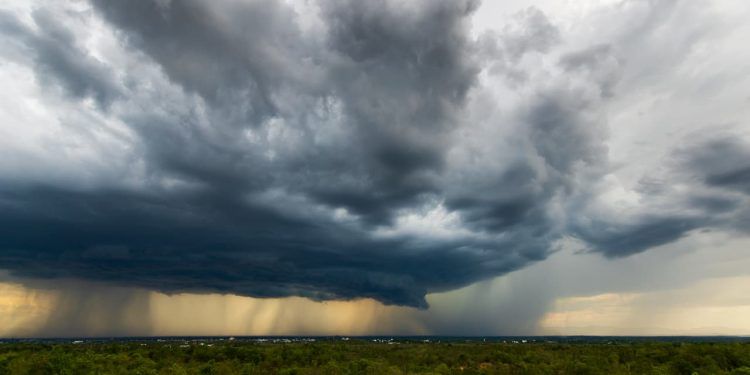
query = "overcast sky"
x=354 y=167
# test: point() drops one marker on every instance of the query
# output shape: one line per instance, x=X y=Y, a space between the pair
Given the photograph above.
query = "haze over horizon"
x=343 y=167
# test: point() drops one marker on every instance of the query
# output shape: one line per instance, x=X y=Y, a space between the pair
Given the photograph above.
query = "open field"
x=374 y=356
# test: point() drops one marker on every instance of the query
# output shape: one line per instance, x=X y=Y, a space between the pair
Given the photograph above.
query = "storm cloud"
x=332 y=150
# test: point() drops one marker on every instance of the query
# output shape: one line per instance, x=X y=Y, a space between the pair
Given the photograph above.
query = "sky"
x=431 y=167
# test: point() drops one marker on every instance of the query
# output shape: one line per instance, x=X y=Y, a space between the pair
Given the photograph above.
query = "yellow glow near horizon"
x=234 y=315
x=22 y=309
x=29 y=312
x=718 y=306
x=707 y=307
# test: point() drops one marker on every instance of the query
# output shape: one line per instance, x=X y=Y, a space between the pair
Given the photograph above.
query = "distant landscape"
x=378 y=355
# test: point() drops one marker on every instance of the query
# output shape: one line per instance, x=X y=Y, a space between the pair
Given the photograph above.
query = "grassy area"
x=364 y=357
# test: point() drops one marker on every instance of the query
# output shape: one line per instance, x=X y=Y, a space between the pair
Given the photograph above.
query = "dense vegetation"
x=364 y=357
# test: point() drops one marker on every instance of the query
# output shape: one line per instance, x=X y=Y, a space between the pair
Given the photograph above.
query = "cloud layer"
x=333 y=150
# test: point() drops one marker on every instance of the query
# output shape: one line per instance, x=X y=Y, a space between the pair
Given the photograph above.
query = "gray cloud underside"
x=287 y=153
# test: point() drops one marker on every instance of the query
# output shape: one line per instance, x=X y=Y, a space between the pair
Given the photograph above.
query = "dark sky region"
x=378 y=151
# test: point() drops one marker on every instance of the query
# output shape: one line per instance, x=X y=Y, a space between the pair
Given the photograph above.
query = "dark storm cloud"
x=714 y=172
x=413 y=65
x=723 y=163
x=251 y=49
x=153 y=242
x=274 y=158
x=402 y=73
x=621 y=240
x=59 y=58
x=397 y=77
